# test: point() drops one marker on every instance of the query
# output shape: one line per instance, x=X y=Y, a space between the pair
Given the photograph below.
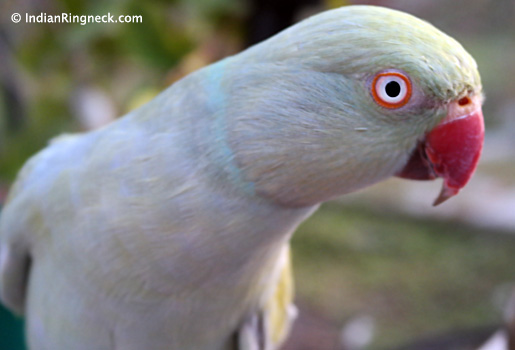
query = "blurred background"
x=379 y=269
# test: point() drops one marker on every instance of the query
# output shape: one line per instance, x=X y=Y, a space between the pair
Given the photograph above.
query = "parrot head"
x=369 y=92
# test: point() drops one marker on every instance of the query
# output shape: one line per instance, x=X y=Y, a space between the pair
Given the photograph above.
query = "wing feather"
x=268 y=328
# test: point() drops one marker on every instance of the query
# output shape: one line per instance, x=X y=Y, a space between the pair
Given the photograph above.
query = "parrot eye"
x=391 y=89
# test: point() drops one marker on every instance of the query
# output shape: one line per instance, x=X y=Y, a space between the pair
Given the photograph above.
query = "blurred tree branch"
x=268 y=17
x=13 y=100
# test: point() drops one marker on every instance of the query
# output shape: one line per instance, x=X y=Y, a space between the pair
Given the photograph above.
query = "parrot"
x=170 y=227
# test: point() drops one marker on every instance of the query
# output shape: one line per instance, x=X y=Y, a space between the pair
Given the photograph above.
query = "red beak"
x=451 y=150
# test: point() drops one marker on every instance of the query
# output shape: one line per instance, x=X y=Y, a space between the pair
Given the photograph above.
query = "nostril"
x=464 y=101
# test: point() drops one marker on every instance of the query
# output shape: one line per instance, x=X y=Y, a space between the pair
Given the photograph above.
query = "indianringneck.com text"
x=70 y=18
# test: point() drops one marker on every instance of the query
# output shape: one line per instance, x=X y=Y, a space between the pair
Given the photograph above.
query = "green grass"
x=415 y=277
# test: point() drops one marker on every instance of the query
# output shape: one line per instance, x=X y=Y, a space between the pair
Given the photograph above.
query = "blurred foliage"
x=47 y=66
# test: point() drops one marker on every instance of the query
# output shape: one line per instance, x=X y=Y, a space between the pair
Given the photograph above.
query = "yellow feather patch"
x=279 y=310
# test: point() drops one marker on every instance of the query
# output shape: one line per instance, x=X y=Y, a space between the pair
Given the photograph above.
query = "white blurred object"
x=497 y=342
x=504 y=339
x=485 y=202
x=357 y=333
x=92 y=107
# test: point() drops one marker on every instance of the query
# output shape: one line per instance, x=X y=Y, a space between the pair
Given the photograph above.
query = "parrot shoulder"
x=268 y=327
x=14 y=251
x=19 y=219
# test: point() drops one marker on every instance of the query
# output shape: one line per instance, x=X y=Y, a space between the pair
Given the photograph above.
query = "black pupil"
x=392 y=89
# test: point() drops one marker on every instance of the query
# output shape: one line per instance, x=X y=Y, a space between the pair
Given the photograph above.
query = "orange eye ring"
x=391 y=89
